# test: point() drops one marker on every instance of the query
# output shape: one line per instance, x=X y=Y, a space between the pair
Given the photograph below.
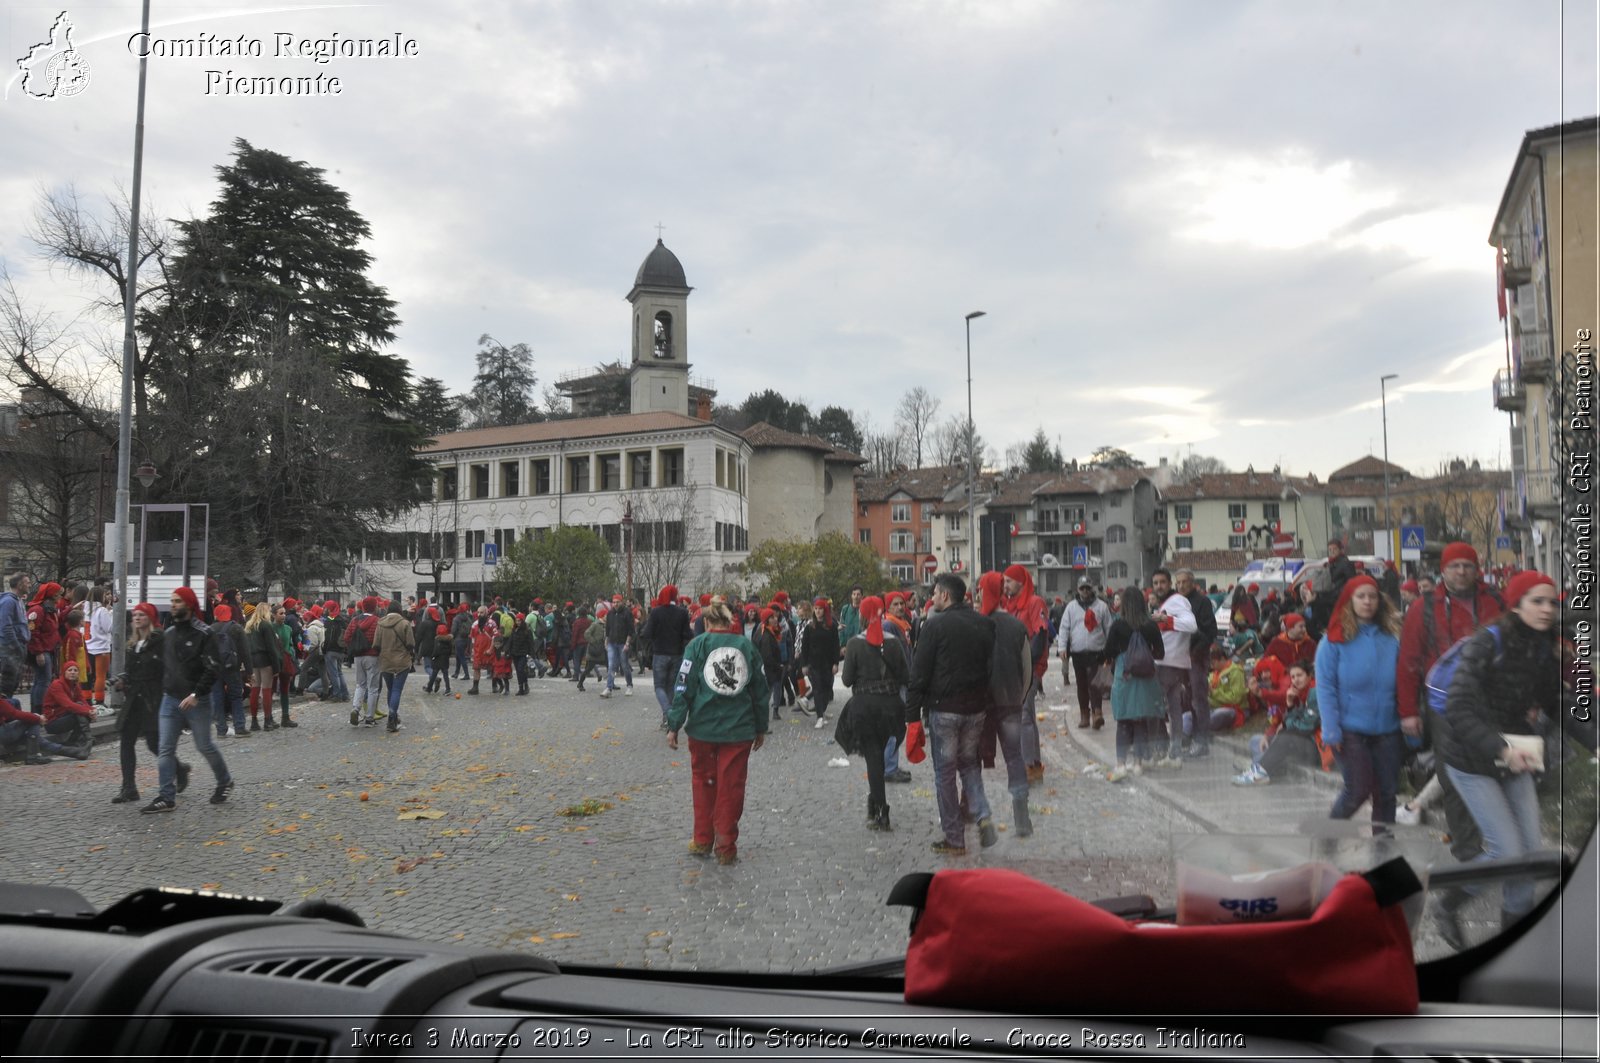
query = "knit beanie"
x=1522 y=583
x=1458 y=552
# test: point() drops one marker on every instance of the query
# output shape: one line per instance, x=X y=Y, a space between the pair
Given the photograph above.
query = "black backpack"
x=356 y=642
x=227 y=655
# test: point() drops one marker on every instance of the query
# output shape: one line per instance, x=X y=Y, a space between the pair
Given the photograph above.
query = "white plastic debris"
x=839 y=762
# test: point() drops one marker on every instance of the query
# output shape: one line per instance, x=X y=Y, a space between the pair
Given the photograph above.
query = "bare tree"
x=957 y=442
x=914 y=420
x=54 y=488
x=435 y=526
x=670 y=538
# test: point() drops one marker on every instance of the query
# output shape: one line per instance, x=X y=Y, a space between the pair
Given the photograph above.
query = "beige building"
x=1546 y=232
x=801 y=487
x=689 y=496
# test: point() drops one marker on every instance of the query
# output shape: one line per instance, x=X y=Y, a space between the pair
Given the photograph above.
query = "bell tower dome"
x=659 y=376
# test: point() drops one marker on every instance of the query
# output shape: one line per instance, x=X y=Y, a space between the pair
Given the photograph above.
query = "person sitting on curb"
x=19 y=727
x=1297 y=741
x=68 y=714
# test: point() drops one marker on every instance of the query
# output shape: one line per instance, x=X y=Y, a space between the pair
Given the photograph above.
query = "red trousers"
x=718 y=771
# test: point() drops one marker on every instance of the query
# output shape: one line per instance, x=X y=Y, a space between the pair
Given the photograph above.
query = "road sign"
x=491 y=554
x=1412 y=540
x=1080 y=557
x=930 y=564
x=1283 y=545
x=1502 y=542
x=955 y=566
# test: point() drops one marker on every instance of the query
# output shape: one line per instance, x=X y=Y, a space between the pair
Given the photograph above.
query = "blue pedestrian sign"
x=1412 y=540
x=491 y=554
x=1502 y=542
x=1080 y=557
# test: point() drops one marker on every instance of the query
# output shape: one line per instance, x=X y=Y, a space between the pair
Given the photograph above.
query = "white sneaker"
x=1135 y=767
x=1117 y=774
x=630 y=692
x=1253 y=777
x=1407 y=815
x=605 y=693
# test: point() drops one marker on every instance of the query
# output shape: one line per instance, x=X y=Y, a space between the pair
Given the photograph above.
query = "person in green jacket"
x=280 y=623
x=721 y=700
x=850 y=619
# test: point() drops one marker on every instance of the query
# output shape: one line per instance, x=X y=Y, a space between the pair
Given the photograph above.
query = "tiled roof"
x=1210 y=560
x=762 y=434
x=922 y=484
x=1231 y=485
x=1368 y=468
x=1020 y=490
x=572 y=428
x=1092 y=481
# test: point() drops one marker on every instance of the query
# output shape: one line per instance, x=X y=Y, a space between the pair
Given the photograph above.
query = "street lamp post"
x=1388 y=520
x=627 y=531
x=972 y=461
x=119 y=569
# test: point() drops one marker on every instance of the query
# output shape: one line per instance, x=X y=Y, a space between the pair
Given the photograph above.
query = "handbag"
x=1104 y=676
x=288 y=664
x=845 y=731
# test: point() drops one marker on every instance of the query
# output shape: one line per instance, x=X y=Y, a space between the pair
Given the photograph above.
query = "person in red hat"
x=1026 y=605
x=620 y=633
x=875 y=674
x=818 y=652
x=1293 y=644
x=1243 y=609
x=1355 y=667
x=1010 y=676
x=667 y=631
x=1439 y=618
x=1508 y=675
x=1409 y=592
x=227 y=697
x=188 y=673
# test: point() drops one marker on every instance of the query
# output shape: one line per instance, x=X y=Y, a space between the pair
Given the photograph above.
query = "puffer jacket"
x=1356 y=684
x=1494 y=688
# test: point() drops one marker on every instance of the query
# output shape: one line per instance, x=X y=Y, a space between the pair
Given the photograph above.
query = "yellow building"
x=1545 y=231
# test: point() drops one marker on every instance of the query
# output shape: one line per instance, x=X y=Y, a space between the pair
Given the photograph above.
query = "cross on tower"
x=659 y=227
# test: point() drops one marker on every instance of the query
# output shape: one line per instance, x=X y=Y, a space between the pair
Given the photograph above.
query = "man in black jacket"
x=668 y=631
x=950 y=684
x=189 y=670
x=619 y=636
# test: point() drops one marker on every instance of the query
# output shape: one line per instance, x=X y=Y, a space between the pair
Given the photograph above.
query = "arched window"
x=1116 y=534
x=663 y=341
x=1117 y=570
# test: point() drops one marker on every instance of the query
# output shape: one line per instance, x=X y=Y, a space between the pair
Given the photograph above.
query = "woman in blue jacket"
x=1356 y=695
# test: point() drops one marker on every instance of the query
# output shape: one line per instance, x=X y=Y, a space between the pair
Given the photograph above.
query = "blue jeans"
x=333 y=684
x=43 y=675
x=1371 y=768
x=173 y=720
x=891 y=755
x=1009 y=729
x=16 y=732
x=954 y=737
x=396 y=682
x=664 y=671
x=229 y=688
x=617 y=661
x=1507 y=814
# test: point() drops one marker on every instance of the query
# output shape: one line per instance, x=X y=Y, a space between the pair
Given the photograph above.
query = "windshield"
x=1113 y=302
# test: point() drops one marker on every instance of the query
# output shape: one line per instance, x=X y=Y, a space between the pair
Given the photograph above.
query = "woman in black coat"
x=874 y=673
x=819 y=653
x=1508 y=674
x=141 y=706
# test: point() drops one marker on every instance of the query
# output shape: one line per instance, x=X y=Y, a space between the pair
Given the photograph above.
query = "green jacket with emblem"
x=721 y=701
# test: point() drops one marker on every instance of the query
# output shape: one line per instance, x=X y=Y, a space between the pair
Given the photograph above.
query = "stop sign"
x=930 y=564
x=1283 y=544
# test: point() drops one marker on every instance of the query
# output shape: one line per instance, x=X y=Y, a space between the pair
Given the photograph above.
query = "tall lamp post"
x=972 y=460
x=119 y=555
x=1388 y=520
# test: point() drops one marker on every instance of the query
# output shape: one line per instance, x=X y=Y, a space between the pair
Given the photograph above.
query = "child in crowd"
x=443 y=653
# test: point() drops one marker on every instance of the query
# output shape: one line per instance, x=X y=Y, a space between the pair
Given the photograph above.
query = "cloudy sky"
x=1191 y=223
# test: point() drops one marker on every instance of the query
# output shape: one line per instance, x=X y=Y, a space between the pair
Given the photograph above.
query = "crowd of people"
x=1361 y=675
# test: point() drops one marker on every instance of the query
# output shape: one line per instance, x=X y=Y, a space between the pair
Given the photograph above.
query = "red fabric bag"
x=995 y=939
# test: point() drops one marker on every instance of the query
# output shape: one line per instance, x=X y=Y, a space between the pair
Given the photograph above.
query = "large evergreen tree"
x=838 y=426
x=273 y=397
x=435 y=411
x=503 y=391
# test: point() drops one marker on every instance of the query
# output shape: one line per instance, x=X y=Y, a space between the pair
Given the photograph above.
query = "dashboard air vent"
x=204 y=1041
x=357 y=971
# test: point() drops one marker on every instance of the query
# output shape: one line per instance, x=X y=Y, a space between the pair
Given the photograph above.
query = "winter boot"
x=1099 y=719
x=872 y=815
x=883 y=818
x=474 y=689
x=1019 y=816
x=36 y=757
x=286 y=722
x=1083 y=721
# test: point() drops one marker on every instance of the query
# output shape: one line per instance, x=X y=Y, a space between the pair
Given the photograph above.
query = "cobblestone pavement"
x=502 y=867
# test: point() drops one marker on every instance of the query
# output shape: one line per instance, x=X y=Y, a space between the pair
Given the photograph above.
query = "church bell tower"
x=659 y=377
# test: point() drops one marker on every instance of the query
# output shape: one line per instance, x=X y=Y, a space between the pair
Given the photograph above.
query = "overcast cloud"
x=1200 y=224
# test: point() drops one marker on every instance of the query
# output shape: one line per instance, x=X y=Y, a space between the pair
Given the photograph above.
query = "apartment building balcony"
x=1519 y=259
x=1510 y=396
x=1536 y=357
x=1544 y=494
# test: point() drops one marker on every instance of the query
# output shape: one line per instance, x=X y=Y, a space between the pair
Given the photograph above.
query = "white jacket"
x=100 y=625
x=1176 y=641
x=1074 y=636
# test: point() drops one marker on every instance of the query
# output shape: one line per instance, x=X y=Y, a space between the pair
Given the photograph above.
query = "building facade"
x=895 y=516
x=1545 y=234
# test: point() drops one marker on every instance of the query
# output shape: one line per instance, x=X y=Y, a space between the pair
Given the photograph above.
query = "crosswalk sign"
x=1080 y=557
x=491 y=553
x=1412 y=540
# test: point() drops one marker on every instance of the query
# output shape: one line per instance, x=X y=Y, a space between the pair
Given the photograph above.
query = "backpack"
x=358 y=642
x=1140 y=663
x=1321 y=579
x=1437 y=682
x=226 y=654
